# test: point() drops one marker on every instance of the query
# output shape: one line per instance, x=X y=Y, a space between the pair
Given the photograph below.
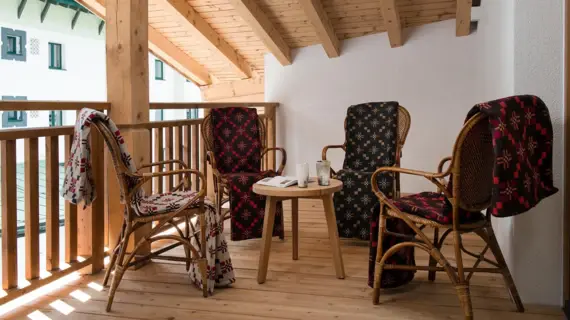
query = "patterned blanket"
x=237 y=149
x=522 y=141
x=78 y=185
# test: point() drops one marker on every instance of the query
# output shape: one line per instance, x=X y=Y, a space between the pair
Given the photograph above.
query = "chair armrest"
x=326 y=149
x=431 y=176
x=185 y=172
x=442 y=163
x=283 y=158
x=159 y=163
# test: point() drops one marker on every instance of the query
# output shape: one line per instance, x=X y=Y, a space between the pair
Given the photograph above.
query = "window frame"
x=158 y=65
x=52 y=46
x=15 y=116
x=13 y=40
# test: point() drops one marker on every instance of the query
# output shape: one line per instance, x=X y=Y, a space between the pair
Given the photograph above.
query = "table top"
x=313 y=189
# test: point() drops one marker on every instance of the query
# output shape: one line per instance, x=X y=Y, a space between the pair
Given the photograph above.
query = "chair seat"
x=434 y=207
x=162 y=203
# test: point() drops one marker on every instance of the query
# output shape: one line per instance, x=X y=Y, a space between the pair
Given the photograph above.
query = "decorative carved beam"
x=323 y=26
x=392 y=22
x=264 y=29
x=188 y=17
x=21 y=7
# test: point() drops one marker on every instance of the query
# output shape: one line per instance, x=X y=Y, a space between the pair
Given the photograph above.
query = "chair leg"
x=119 y=268
x=379 y=254
x=432 y=261
x=465 y=299
x=202 y=264
x=510 y=283
x=461 y=285
x=114 y=255
x=187 y=251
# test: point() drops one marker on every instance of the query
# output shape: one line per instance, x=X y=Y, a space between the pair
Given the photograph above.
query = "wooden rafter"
x=463 y=17
x=188 y=17
x=392 y=22
x=161 y=47
x=264 y=29
x=323 y=26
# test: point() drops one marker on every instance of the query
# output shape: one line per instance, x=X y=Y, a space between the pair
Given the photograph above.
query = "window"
x=15 y=116
x=158 y=70
x=55 y=56
x=192 y=114
x=14 y=45
x=56 y=118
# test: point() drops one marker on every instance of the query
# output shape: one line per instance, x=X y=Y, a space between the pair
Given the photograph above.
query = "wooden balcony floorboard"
x=303 y=289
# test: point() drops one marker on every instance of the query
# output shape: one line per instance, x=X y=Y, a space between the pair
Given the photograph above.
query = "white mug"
x=302 y=175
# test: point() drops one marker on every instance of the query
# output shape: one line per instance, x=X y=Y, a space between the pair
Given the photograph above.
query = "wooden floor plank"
x=302 y=289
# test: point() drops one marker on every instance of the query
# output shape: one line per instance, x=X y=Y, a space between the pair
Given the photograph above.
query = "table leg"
x=295 y=227
x=268 y=224
x=333 y=235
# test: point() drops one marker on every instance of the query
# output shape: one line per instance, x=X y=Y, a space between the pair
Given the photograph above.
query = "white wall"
x=438 y=78
x=538 y=60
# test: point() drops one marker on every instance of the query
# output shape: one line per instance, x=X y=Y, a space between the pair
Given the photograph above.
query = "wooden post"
x=270 y=113
x=128 y=93
x=206 y=167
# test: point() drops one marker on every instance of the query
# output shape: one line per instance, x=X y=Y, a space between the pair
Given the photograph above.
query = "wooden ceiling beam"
x=463 y=18
x=162 y=48
x=392 y=22
x=188 y=17
x=323 y=26
x=252 y=14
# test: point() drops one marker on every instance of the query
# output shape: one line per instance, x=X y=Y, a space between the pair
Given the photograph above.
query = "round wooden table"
x=312 y=191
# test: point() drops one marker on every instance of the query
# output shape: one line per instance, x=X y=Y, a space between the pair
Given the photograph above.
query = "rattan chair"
x=404 y=123
x=220 y=180
x=190 y=205
x=469 y=191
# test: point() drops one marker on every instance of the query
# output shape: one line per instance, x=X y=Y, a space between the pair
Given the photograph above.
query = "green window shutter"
x=55 y=60
x=158 y=70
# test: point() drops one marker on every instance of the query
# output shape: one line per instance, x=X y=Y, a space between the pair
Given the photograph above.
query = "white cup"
x=302 y=175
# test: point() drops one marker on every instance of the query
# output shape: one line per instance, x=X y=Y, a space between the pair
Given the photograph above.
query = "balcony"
x=68 y=259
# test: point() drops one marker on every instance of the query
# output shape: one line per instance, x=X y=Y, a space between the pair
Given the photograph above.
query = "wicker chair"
x=220 y=180
x=456 y=208
x=354 y=205
x=404 y=123
x=190 y=204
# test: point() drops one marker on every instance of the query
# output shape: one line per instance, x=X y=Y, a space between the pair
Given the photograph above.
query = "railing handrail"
x=52 y=105
x=104 y=105
x=208 y=105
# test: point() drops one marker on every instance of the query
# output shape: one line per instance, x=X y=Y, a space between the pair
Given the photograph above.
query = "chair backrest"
x=472 y=165
x=378 y=131
x=121 y=159
x=236 y=137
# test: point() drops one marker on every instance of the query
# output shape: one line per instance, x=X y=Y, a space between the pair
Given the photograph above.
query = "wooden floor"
x=303 y=289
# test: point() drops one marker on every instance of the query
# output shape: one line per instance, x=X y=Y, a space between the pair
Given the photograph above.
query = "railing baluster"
x=195 y=156
x=178 y=151
x=186 y=157
x=9 y=216
x=270 y=114
x=70 y=217
x=32 y=208
x=169 y=155
x=158 y=156
x=52 y=203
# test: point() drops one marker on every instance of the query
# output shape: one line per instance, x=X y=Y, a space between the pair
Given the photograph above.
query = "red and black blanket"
x=522 y=141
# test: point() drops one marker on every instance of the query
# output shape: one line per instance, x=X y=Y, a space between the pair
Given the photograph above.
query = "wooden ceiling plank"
x=463 y=17
x=161 y=47
x=264 y=29
x=392 y=22
x=188 y=17
x=323 y=26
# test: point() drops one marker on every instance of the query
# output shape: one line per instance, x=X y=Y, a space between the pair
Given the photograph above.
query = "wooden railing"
x=85 y=229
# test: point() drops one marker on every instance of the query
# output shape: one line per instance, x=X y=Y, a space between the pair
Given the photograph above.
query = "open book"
x=279 y=181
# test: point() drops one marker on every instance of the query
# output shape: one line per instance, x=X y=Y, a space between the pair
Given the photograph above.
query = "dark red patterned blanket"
x=522 y=141
x=237 y=149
